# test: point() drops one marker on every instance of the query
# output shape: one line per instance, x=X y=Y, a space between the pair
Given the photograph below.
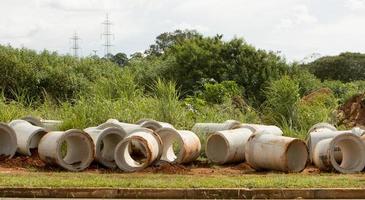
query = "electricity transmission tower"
x=107 y=34
x=75 y=45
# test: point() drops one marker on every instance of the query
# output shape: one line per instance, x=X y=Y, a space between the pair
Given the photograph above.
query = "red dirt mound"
x=313 y=95
x=352 y=112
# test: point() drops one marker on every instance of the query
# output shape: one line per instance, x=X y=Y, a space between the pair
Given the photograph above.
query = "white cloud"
x=355 y=4
x=297 y=28
x=299 y=16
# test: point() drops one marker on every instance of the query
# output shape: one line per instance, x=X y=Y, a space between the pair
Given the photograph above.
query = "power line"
x=75 y=45
x=107 y=34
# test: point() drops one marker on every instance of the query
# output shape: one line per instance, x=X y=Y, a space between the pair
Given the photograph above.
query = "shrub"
x=282 y=97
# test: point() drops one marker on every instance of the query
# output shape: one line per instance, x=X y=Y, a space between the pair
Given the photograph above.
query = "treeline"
x=182 y=78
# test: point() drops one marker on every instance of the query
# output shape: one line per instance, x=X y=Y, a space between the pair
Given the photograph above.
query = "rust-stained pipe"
x=267 y=128
x=8 y=141
x=267 y=151
x=209 y=128
x=105 y=140
x=227 y=146
x=188 y=143
x=153 y=124
x=352 y=153
x=322 y=131
x=73 y=149
x=125 y=156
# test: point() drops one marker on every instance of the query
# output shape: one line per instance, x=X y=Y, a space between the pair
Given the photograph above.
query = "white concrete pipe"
x=188 y=143
x=323 y=131
x=28 y=135
x=351 y=147
x=49 y=125
x=8 y=140
x=209 y=128
x=227 y=146
x=73 y=149
x=267 y=128
x=267 y=151
x=153 y=124
x=105 y=140
x=127 y=127
x=124 y=154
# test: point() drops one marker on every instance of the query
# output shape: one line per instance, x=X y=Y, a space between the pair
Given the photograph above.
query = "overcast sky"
x=296 y=28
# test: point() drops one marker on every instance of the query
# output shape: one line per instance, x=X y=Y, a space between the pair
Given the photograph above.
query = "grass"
x=139 y=180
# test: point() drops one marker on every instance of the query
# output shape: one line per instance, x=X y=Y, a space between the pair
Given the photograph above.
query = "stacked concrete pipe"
x=352 y=151
x=105 y=140
x=147 y=140
x=340 y=150
x=28 y=135
x=153 y=124
x=188 y=143
x=268 y=151
x=209 y=128
x=79 y=149
x=8 y=141
x=49 y=125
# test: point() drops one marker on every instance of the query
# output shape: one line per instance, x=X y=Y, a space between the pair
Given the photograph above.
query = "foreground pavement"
x=189 y=193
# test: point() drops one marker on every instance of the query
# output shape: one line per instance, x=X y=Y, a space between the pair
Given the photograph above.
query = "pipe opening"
x=34 y=141
x=217 y=148
x=107 y=146
x=297 y=155
x=172 y=149
x=75 y=150
x=136 y=153
x=133 y=154
x=346 y=154
x=5 y=144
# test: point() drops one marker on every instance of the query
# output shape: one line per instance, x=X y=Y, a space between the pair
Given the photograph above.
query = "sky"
x=294 y=28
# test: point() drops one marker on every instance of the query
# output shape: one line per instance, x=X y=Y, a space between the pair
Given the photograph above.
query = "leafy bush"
x=282 y=97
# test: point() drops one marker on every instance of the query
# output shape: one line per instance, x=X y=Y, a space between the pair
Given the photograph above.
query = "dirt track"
x=19 y=164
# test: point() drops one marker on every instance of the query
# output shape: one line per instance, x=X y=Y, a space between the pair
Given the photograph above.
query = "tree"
x=345 y=67
x=120 y=58
x=212 y=58
x=168 y=39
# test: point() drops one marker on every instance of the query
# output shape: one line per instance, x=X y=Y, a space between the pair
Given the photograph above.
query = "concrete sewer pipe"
x=267 y=128
x=153 y=124
x=267 y=151
x=323 y=131
x=227 y=146
x=352 y=151
x=129 y=128
x=72 y=149
x=149 y=149
x=28 y=135
x=105 y=140
x=8 y=141
x=209 y=128
x=188 y=144
x=49 y=125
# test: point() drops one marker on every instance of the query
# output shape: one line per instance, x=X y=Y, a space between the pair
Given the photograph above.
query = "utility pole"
x=75 y=45
x=107 y=34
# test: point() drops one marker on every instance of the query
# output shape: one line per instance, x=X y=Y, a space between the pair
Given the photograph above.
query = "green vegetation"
x=183 y=78
x=136 y=180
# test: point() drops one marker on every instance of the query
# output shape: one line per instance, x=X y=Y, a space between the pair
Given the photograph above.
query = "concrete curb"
x=189 y=193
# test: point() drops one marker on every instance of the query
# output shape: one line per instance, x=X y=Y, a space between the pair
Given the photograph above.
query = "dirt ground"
x=20 y=163
x=352 y=112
